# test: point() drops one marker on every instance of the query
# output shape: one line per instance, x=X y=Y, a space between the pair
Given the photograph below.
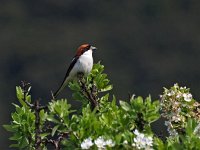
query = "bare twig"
x=37 y=125
x=56 y=142
x=52 y=95
x=93 y=90
x=37 y=108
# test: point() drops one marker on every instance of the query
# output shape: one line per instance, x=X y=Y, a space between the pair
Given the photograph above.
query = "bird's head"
x=84 y=48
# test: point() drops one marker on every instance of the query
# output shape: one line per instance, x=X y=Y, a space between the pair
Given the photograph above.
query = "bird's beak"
x=93 y=48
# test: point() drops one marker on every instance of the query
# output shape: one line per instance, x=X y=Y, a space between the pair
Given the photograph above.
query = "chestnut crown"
x=83 y=48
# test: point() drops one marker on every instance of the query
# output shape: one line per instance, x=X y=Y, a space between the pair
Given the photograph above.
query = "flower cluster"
x=87 y=143
x=142 y=142
x=177 y=105
x=100 y=143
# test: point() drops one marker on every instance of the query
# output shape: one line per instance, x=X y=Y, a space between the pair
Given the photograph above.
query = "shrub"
x=101 y=123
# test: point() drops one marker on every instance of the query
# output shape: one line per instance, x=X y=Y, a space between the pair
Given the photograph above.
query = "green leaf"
x=9 y=128
x=20 y=96
x=43 y=116
x=15 y=137
x=54 y=130
x=191 y=124
x=138 y=103
x=125 y=105
x=159 y=144
x=52 y=119
x=74 y=86
x=14 y=146
x=107 y=88
x=44 y=135
x=78 y=96
x=23 y=142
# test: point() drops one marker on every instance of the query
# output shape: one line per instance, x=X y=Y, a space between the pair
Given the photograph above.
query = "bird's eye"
x=87 y=48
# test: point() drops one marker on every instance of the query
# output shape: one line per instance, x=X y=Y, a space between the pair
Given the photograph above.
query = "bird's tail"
x=60 y=88
x=57 y=92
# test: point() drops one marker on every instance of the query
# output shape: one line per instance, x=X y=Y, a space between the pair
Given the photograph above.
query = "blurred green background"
x=144 y=45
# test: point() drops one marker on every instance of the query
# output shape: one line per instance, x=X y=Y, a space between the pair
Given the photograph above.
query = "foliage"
x=102 y=123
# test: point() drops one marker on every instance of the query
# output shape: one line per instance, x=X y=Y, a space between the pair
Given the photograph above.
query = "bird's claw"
x=80 y=75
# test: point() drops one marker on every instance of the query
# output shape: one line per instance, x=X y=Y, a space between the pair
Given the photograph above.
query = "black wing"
x=74 y=60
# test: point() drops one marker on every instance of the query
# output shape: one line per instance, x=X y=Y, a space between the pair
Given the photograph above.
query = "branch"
x=37 y=125
x=56 y=142
x=90 y=95
x=36 y=108
x=52 y=95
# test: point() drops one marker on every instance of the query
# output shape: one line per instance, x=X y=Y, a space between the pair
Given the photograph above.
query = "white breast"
x=84 y=64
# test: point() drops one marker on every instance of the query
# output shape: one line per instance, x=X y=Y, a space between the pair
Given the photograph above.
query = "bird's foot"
x=80 y=76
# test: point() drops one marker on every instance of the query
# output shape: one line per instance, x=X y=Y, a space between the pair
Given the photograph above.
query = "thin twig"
x=56 y=142
x=52 y=95
x=37 y=126
x=93 y=90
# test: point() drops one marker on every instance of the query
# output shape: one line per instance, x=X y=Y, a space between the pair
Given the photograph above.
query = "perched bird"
x=81 y=65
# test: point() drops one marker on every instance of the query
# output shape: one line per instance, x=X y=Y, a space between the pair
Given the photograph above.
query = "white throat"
x=88 y=53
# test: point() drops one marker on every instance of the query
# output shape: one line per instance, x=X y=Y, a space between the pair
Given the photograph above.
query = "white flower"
x=171 y=93
x=100 y=143
x=172 y=132
x=149 y=141
x=176 y=85
x=87 y=143
x=179 y=95
x=125 y=142
x=187 y=97
x=110 y=143
x=176 y=118
x=136 y=132
x=183 y=87
x=133 y=144
x=167 y=123
x=179 y=110
x=141 y=141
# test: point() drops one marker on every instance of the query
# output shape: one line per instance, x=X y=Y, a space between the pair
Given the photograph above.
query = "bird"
x=81 y=64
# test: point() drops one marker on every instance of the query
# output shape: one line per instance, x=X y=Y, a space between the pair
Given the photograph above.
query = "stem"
x=56 y=142
x=37 y=125
x=90 y=95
